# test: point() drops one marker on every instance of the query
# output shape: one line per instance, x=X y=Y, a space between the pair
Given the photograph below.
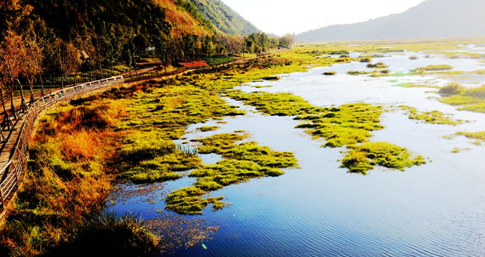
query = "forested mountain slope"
x=224 y=18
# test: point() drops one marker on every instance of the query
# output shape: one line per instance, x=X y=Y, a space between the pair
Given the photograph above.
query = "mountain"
x=430 y=19
x=224 y=18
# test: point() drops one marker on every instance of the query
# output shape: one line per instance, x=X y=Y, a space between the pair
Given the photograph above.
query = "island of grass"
x=479 y=137
x=378 y=65
x=242 y=162
x=208 y=128
x=413 y=85
x=432 y=117
x=442 y=67
x=470 y=99
x=362 y=158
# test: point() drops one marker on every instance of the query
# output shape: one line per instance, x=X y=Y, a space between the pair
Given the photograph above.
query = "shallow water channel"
x=437 y=209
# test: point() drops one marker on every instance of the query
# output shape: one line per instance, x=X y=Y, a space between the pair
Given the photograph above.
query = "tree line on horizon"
x=59 y=38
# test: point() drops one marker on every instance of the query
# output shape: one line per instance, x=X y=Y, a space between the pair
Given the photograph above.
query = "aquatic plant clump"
x=209 y=128
x=242 y=162
x=442 y=67
x=220 y=143
x=480 y=136
x=432 y=117
x=378 y=65
x=275 y=104
x=471 y=99
x=451 y=89
x=189 y=200
x=345 y=125
x=362 y=158
x=146 y=157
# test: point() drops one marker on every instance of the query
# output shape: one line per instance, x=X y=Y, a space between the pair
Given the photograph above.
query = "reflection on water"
x=437 y=209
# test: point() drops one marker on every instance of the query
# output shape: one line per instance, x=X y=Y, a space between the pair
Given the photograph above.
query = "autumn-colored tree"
x=12 y=56
x=12 y=13
x=32 y=66
x=287 y=41
x=67 y=57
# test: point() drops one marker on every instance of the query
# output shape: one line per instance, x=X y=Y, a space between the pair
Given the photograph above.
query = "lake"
x=437 y=209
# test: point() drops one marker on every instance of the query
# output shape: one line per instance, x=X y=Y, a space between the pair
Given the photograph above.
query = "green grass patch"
x=413 y=85
x=242 y=162
x=218 y=60
x=209 y=128
x=276 y=104
x=442 y=67
x=378 y=65
x=345 y=125
x=362 y=158
x=433 y=117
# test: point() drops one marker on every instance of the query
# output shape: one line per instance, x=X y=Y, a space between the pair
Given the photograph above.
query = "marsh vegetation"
x=134 y=135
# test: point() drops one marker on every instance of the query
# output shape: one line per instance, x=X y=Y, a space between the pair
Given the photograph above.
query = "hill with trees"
x=224 y=18
x=51 y=41
x=430 y=19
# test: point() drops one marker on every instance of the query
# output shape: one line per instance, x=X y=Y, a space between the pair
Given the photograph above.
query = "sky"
x=295 y=16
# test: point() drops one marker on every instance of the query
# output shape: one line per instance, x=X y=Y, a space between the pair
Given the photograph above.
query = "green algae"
x=432 y=117
x=345 y=125
x=362 y=158
x=209 y=128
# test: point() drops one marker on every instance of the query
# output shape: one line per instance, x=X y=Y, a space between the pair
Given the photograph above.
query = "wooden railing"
x=14 y=170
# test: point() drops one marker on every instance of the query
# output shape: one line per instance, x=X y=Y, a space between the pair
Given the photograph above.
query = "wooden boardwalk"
x=14 y=151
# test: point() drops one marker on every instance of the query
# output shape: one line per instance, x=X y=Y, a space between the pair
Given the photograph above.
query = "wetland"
x=287 y=162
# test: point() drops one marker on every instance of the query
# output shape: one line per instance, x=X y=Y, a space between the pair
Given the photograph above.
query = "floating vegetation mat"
x=470 y=99
x=345 y=125
x=433 y=117
x=479 y=137
x=242 y=162
x=276 y=104
x=362 y=158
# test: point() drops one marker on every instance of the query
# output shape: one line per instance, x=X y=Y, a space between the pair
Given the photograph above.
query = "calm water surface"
x=437 y=209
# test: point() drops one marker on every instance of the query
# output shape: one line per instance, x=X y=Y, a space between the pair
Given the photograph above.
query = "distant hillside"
x=430 y=19
x=185 y=18
x=224 y=18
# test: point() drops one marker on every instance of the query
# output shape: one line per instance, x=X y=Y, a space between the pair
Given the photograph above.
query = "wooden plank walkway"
x=14 y=150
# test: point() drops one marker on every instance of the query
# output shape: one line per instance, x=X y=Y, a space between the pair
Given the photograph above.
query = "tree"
x=12 y=54
x=287 y=41
x=32 y=66
x=67 y=57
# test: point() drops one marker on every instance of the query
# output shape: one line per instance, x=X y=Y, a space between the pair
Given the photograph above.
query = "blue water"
x=437 y=209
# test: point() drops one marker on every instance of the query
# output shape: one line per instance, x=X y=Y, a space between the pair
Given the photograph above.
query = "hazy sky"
x=295 y=16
